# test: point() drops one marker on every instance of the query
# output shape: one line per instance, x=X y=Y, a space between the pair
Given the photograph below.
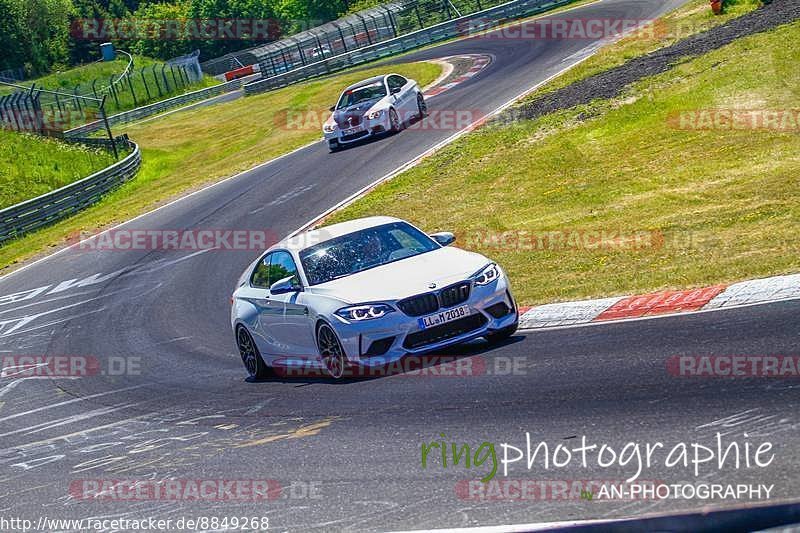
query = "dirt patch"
x=610 y=84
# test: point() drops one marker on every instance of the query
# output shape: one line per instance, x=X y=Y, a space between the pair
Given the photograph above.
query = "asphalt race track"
x=171 y=399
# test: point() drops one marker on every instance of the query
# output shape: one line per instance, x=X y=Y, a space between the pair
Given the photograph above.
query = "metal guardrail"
x=475 y=22
x=156 y=108
x=55 y=205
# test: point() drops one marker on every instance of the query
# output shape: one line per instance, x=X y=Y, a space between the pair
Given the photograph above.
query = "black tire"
x=394 y=121
x=334 y=149
x=331 y=352
x=500 y=335
x=422 y=107
x=251 y=358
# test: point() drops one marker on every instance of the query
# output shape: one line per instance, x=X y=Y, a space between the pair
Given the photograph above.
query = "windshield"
x=362 y=94
x=362 y=250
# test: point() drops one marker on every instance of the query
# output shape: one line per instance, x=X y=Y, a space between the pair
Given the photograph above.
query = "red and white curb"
x=751 y=292
x=479 y=62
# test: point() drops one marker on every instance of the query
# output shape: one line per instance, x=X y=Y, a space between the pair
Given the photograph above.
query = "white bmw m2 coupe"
x=365 y=292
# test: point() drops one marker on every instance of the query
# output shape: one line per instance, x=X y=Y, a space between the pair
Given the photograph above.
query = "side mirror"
x=445 y=238
x=285 y=285
x=332 y=108
x=396 y=90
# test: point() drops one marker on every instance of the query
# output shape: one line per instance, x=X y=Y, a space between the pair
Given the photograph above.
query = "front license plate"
x=351 y=131
x=443 y=317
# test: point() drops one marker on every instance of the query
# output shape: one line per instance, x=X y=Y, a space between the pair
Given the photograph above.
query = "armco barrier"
x=55 y=205
x=475 y=22
x=156 y=108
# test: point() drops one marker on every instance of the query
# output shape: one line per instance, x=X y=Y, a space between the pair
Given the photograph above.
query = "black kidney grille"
x=430 y=302
x=422 y=304
x=454 y=294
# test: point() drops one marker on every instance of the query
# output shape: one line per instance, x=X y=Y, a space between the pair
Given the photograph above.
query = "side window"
x=282 y=266
x=396 y=82
x=260 y=277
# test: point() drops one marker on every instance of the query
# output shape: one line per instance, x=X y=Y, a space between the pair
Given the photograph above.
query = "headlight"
x=329 y=128
x=364 y=312
x=375 y=114
x=487 y=275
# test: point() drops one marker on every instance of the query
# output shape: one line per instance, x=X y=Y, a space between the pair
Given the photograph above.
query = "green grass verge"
x=187 y=150
x=724 y=201
x=31 y=165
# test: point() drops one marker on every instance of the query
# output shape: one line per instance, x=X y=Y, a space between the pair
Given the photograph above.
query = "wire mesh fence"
x=349 y=33
x=51 y=113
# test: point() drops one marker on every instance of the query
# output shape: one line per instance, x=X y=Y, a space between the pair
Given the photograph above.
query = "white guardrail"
x=468 y=24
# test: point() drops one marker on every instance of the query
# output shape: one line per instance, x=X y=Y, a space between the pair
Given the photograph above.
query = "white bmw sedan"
x=365 y=292
x=375 y=106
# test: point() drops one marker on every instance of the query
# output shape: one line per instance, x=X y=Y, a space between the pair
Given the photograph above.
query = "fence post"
x=114 y=92
x=108 y=127
x=164 y=74
x=144 y=82
x=94 y=89
x=133 y=93
x=155 y=79
x=174 y=78
x=77 y=101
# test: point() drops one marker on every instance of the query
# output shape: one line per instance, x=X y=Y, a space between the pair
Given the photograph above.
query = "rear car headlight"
x=375 y=114
x=487 y=275
x=358 y=313
x=329 y=128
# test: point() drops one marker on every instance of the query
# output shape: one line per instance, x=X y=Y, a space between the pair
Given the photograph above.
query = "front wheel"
x=251 y=358
x=331 y=352
x=394 y=121
x=422 y=107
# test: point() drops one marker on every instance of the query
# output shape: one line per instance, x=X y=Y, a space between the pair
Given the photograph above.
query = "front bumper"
x=382 y=341
x=368 y=128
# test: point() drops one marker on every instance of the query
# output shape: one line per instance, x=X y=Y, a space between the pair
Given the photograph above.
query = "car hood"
x=355 y=113
x=406 y=277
